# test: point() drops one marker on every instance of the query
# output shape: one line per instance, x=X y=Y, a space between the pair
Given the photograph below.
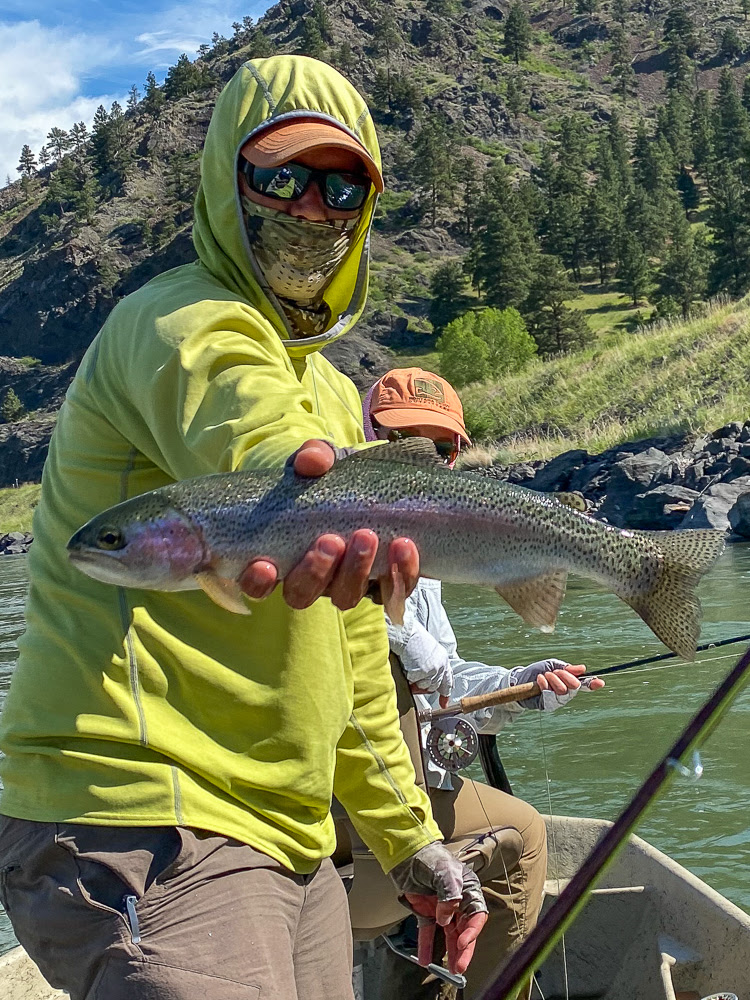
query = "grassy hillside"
x=17 y=507
x=681 y=376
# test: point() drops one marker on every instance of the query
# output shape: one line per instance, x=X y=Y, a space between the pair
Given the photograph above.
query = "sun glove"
x=547 y=701
x=434 y=871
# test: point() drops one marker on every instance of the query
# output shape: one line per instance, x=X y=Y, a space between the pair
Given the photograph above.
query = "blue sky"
x=62 y=58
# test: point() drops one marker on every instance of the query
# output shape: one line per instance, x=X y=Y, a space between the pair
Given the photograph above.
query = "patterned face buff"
x=298 y=258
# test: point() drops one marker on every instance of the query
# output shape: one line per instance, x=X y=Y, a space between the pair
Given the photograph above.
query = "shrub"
x=484 y=344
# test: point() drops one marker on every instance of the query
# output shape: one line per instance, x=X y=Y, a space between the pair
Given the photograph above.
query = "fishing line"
x=554 y=846
x=492 y=834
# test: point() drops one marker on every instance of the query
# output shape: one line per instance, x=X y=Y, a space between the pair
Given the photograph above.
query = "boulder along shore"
x=657 y=484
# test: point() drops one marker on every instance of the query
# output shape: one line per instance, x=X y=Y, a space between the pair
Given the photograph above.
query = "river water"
x=588 y=758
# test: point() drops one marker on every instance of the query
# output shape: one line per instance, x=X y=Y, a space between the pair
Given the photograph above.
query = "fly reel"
x=452 y=743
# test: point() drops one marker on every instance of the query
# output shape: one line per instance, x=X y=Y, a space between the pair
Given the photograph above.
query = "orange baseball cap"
x=410 y=396
x=279 y=144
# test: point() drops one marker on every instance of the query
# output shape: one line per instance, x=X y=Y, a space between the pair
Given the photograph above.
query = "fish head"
x=140 y=543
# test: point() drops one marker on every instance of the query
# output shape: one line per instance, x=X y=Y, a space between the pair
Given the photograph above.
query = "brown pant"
x=513 y=881
x=150 y=913
x=511 y=864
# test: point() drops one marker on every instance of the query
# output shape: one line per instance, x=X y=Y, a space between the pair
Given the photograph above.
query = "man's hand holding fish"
x=341 y=570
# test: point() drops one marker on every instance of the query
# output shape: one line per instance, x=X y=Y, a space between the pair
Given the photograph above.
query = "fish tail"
x=671 y=607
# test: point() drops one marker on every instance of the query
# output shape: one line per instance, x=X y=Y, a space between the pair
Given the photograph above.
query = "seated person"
x=504 y=837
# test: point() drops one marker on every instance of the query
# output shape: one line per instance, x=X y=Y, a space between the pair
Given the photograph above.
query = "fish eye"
x=110 y=539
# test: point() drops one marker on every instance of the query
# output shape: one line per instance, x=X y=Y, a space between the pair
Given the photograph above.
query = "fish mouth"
x=99 y=565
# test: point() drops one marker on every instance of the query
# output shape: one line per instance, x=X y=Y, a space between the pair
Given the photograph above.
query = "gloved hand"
x=442 y=890
x=426 y=663
x=558 y=680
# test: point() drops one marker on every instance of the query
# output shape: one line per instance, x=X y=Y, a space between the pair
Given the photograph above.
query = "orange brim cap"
x=414 y=416
x=274 y=146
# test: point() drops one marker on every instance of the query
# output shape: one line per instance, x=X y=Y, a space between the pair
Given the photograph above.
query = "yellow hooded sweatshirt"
x=133 y=707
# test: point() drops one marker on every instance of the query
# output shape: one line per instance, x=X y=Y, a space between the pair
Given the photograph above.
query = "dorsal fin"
x=409 y=451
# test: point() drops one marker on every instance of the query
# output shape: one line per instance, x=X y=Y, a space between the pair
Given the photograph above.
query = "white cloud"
x=41 y=85
x=47 y=71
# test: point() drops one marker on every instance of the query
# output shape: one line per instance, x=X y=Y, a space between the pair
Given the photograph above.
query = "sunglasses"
x=339 y=189
x=447 y=450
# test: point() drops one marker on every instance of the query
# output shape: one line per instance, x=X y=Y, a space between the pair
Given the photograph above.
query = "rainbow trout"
x=468 y=528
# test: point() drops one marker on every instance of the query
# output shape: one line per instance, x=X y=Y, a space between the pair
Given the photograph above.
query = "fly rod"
x=473 y=703
x=669 y=656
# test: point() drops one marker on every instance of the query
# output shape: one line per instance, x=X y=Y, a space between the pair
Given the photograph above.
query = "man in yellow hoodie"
x=169 y=766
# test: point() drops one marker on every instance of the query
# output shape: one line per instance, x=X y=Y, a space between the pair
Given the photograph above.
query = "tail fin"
x=671 y=608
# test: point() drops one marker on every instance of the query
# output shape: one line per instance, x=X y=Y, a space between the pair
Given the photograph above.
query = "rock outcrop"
x=659 y=484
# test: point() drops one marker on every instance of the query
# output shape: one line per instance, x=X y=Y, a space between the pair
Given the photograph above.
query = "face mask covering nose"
x=298 y=258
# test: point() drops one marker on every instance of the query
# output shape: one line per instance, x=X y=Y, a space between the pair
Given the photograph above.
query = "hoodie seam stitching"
x=263 y=86
x=383 y=769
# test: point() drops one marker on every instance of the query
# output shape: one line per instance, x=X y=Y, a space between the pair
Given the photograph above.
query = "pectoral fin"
x=538 y=599
x=224 y=592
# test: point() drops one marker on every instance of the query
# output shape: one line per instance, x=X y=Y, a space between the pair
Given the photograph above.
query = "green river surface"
x=589 y=757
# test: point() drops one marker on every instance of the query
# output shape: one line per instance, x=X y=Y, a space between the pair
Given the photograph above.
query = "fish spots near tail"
x=671 y=607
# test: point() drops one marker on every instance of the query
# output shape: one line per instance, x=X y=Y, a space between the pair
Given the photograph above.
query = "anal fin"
x=224 y=592
x=538 y=599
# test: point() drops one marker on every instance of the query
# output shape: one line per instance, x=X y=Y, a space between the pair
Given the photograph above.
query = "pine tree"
x=601 y=226
x=260 y=46
x=618 y=143
x=730 y=119
x=503 y=246
x=564 y=184
x=622 y=68
x=154 y=96
x=679 y=28
x=79 y=134
x=11 y=408
x=620 y=11
x=447 y=294
x=552 y=323
x=184 y=77
x=320 y=14
x=702 y=130
x=587 y=6
x=745 y=8
x=517 y=34
x=59 y=142
x=634 y=270
x=44 y=158
x=729 y=219
x=674 y=126
x=27 y=162
x=746 y=91
x=467 y=178
x=387 y=38
x=344 y=59
x=515 y=97
x=689 y=191
x=134 y=96
x=680 y=67
x=730 y=47
x=311 y=42
x=683 y=275
x=433 y=167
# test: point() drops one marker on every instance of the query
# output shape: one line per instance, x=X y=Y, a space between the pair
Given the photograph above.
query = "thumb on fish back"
x=671 y=607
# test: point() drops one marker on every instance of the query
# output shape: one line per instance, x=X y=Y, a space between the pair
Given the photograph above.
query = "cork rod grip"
x=472 y=703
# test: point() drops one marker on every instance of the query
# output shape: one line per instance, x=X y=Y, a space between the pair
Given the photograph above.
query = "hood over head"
x=264 y=93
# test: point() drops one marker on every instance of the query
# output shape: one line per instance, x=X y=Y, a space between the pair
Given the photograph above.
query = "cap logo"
x=430 y=389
